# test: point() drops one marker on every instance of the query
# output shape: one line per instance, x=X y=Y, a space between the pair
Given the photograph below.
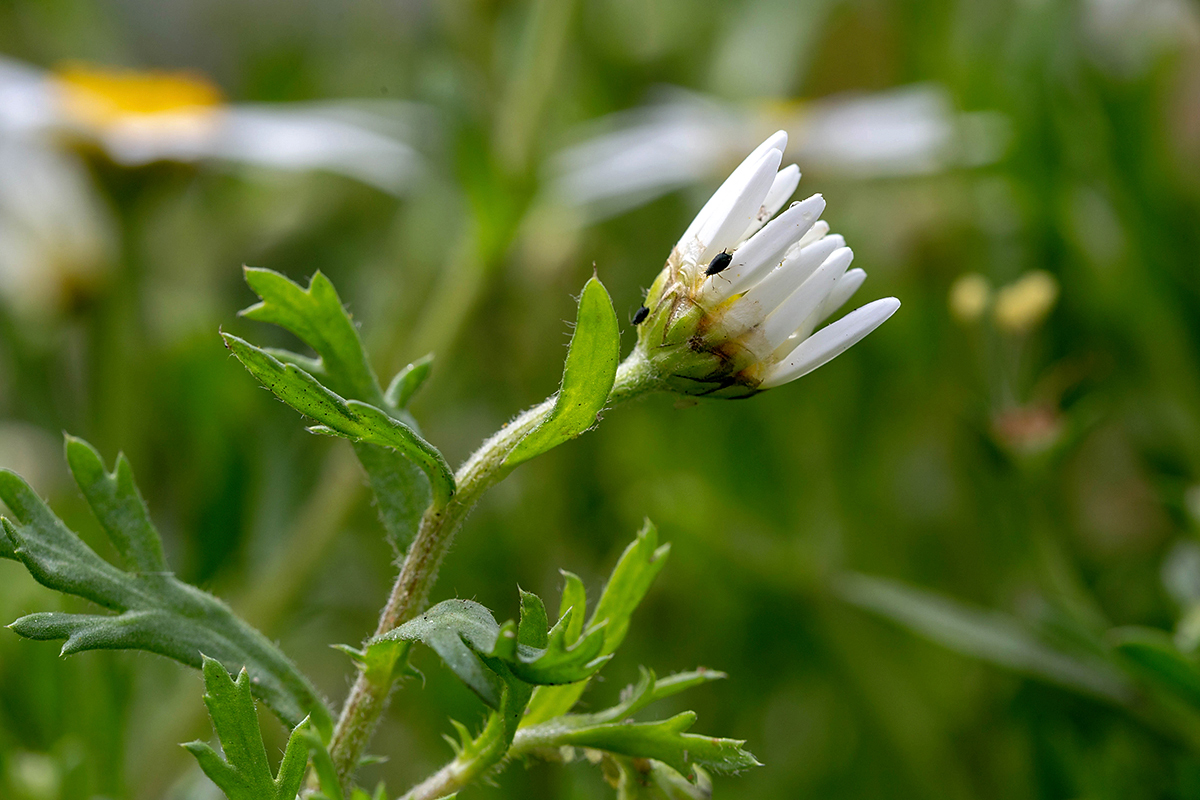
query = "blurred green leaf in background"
x=1010 y=468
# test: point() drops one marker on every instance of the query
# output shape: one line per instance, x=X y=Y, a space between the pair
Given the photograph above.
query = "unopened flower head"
x=735 y=308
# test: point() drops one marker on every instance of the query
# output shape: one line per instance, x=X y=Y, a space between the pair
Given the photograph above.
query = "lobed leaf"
x=118 y=506
x=664 y=740
x=636 y=569
x=407 y=381
x=352 y=419
x=401 y=489
x=156 y=612
x=486 y=656
x=316 y=315
x=244 y=773
x=588 y=375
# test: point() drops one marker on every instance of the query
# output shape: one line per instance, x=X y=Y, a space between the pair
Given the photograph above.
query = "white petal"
x=819 y=229
x=787 y=277
x=776 y=141
x=782 y=189
x=725 y=222
x=842 y=291
x=765 y=249
x=796 y=307
x=831 y=341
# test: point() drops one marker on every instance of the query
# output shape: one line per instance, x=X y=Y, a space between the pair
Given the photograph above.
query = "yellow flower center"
x=101 y=97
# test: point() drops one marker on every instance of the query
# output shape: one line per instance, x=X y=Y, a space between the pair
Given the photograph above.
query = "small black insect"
x=640 y=315
x=720 y=263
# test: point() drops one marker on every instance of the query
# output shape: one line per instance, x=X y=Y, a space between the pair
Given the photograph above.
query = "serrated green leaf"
x=458 y=631
x=987 y=635
x=665 y=740
x=408 y=381
x=588 y=375
x=157 y=612
x=324 y=768
x=646 y=779
x=486 y=655
x=352 y=419
x=574 y=599
x=650 y=689
x=245 y=773
x=118 y=506
x=534 y=624
x=636 y=569
x=316 y=315
x=1153 y=656
x=401 y=490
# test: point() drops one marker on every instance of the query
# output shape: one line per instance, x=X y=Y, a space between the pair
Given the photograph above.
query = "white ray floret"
x=830 y=342
x=750 y=325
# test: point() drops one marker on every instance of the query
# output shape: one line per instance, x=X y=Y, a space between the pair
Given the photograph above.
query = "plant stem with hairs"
x=410 y=594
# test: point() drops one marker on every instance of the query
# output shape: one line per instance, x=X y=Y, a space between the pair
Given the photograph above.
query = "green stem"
x=410 y=594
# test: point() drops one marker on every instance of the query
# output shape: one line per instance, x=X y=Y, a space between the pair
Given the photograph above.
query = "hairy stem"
x=410 y=594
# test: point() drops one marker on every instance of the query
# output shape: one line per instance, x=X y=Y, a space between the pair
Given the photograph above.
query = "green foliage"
x=504 y=663
x=317 y=317
x=1153 y=657
x=353 y=419
x=615 y=731
x=486 y=655
x=408 y=382
x=156 y=612
x=636 y=569
x=987 y=635
x=642 y=779
x=245 y=773
x=340 y=391
x=588 y=375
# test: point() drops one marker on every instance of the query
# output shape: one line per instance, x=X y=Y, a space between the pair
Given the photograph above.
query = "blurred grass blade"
x=244 y=773
x=351 y=419
x=986 y=635
x=157 y=612
x=1153 y=656
x=588 y=376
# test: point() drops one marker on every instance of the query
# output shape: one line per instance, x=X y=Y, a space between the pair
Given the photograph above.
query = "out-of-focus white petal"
x=56 y=236
x=734 y=214
x=905 y=131
x=732 y=184
x=27 y=101
x=632 y=157
x=798 y=305
x=830 y=342
x=764 y=250
x=292 y=138
x=786 y=181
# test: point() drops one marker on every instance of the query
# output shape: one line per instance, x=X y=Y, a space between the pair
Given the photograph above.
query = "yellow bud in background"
x=969 y=297
x=1024 y=303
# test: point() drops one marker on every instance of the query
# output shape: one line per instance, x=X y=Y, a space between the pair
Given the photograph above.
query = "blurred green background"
x=1046 y=469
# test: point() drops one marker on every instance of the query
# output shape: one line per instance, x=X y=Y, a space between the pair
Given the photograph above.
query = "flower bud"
x=735 y=308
